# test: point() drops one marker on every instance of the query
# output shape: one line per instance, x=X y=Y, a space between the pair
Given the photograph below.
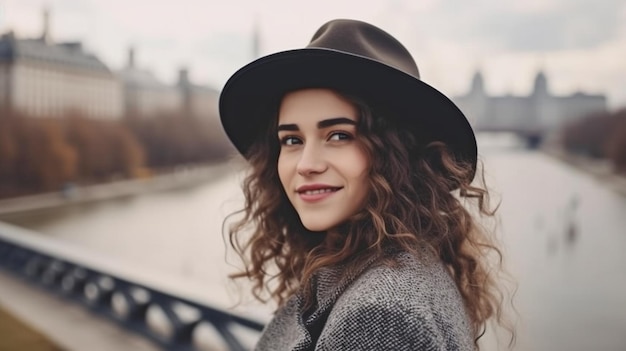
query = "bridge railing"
x=170 y=320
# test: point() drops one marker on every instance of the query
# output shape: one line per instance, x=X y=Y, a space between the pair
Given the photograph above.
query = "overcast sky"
x=580 y=44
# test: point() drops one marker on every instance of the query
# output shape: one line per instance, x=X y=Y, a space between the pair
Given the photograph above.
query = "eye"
x=338 y=136
x=290 y=140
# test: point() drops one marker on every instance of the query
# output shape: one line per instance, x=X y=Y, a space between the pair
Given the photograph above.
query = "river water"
x=563 y=236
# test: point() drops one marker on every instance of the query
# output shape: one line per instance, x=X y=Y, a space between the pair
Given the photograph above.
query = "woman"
x=357 y=217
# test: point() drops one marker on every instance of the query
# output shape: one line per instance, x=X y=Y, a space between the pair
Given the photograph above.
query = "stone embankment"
x=72 y=195
x=600 y=169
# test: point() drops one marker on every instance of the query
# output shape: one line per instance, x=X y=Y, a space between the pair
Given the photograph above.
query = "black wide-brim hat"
x=352 y=57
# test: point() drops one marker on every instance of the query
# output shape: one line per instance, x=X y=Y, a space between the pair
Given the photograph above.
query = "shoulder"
x=413 y=304
x=411 y=282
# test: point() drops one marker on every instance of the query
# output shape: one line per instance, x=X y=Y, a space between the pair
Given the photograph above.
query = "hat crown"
x=355 y=58
x=363 y=39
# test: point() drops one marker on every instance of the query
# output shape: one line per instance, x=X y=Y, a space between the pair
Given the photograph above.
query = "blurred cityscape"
x=133 y=176
x=68 y=119
x=62 y=103
x=42 y=78
x=540 y=112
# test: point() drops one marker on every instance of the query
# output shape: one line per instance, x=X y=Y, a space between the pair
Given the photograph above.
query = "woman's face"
x=321 y=165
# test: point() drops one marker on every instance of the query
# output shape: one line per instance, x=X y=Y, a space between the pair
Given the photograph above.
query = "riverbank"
x=180 y=178
x=600 y=169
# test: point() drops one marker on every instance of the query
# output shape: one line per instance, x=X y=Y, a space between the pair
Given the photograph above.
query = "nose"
x=311 y=161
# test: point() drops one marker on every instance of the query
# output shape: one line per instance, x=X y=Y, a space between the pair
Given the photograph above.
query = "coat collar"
x=327 y=284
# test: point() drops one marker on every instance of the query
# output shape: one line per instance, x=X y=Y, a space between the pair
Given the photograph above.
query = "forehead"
x=312 y=105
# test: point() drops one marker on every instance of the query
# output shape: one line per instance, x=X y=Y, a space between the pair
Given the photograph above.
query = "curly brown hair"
x=420 y=196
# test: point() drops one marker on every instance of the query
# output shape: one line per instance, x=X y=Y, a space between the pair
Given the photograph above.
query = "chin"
x=315 y=225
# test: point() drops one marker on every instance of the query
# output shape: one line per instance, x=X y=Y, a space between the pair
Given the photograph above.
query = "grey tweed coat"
x=411 y=306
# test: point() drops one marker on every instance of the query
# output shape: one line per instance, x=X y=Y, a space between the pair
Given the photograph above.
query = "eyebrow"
x=320 y=125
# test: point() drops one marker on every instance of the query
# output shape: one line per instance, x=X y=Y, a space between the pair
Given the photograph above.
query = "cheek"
x=360 y=166
x=363 y=188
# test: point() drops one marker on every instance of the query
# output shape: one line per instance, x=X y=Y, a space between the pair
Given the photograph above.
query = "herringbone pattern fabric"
x=412 y=306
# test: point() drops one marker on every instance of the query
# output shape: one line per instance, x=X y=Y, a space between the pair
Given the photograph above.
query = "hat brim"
x=248 y=96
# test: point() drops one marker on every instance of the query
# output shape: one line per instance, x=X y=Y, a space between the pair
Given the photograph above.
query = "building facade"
x=539 y=111
x=144 y=94
x=199 y=101
x=40 y=78
x=43 y=79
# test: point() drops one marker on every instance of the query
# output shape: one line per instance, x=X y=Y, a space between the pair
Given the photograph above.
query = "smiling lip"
x=316 y=192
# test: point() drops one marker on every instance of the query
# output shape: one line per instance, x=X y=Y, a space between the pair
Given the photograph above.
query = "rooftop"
x=70 y=54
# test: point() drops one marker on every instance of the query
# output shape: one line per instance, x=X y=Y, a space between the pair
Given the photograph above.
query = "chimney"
x=131 y=57
x=45 y=35
x=183 y=77
x=256 y=39
x=185 y=89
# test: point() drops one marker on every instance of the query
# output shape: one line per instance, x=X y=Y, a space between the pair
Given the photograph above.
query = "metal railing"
x=168 y=320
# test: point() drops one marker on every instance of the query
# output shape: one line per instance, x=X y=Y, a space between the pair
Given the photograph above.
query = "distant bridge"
x=533 y=135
